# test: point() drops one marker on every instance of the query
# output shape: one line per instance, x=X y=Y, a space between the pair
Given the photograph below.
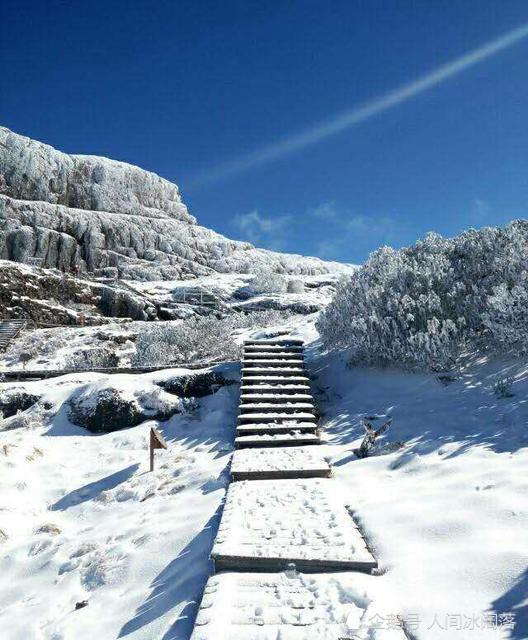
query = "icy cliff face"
x=94 y=213
x=30 y=170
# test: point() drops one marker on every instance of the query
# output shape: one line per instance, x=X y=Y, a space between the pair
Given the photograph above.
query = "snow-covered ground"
x=443 y=501
x=82 y=519
x=444 y=498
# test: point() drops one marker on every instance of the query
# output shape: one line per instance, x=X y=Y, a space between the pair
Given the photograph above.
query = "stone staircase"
x=9 y=329
x=290 y=562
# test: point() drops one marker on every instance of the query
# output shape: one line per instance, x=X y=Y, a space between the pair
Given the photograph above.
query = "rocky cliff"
x=90 y=212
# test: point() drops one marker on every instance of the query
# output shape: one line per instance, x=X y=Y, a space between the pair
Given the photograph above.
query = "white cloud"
x=262 y=230
x=479 y=213
x=325 y=211
x=356 y=115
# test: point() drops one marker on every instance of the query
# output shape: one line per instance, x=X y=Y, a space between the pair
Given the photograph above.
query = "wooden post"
x=157 y=441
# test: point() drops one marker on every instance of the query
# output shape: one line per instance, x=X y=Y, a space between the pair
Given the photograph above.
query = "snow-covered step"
x=292 y=355
x=275 y=373
x=9 y=329
x=275 y=379
x=278 y=463
x=274 y=355
x=290 y=439
x=257 y=369
x=298 y=348
x=296 y=606
x=284 y=407
x=275 y=389
x=251 y=362
x=276 y=427
x=248 y=399
x=290 y=342
x=268 y=524
x=277 y=417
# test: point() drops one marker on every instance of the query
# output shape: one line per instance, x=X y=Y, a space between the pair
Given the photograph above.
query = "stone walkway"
x=290 y=563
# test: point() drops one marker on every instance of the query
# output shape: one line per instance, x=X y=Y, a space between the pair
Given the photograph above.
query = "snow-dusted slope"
x=94 y=212
x=82 y=519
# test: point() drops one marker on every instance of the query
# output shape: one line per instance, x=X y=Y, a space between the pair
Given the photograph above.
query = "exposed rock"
x=94 y=214
x=31 y=170
x=195 y=385
x=14 y=400
x=44 y=296
x=279 y=304
x=49 y=529
x=108 y=409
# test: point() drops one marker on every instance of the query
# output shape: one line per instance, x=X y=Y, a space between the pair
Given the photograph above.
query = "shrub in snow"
x=202 y=339
x=421 y=306
x=89 y=359
x=295 y=286
x=268 y=282
x=21 y=420
x=503 y=388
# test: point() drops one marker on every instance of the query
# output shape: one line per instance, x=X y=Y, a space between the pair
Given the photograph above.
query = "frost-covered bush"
x=503 y=387
x=198 y=339
x=267 y=281
x=421 y=306
x=93 y=358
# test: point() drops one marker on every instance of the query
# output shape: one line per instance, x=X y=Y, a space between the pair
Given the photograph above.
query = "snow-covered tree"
x=421 y=306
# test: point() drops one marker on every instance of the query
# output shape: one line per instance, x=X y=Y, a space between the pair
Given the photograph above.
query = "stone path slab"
x=278 y=463
x=294 y=606
x=268 y=524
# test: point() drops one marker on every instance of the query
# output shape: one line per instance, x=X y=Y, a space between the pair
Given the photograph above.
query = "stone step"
x=275 y=388
x=274 y=347
x=290 y=342
x=266 y=364
x=287 y=427
x=278 y=355
x=305 y=416
x=248 y=399
x=276 y=463
x=285 y=407
x=274 y=372
x=291 y=439
x=275 y=379
x=268 y=524
x=296 y=606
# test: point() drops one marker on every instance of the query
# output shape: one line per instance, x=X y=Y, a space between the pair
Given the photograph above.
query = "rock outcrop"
x=42 y=296
x=92 y=213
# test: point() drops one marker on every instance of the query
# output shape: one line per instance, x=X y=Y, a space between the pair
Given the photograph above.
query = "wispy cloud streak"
x=351 y=117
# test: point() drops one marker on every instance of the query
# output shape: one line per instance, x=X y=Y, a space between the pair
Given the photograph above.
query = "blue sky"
x=227 y=99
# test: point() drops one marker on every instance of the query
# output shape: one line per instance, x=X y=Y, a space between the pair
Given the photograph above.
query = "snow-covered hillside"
x=95 y=213
x=443 y=498
x=442 y=501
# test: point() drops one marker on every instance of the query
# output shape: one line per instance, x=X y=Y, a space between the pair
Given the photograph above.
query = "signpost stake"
x=157 y=441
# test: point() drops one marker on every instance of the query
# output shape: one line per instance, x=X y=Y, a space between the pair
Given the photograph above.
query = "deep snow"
x=442 y=500
x=84 y=520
